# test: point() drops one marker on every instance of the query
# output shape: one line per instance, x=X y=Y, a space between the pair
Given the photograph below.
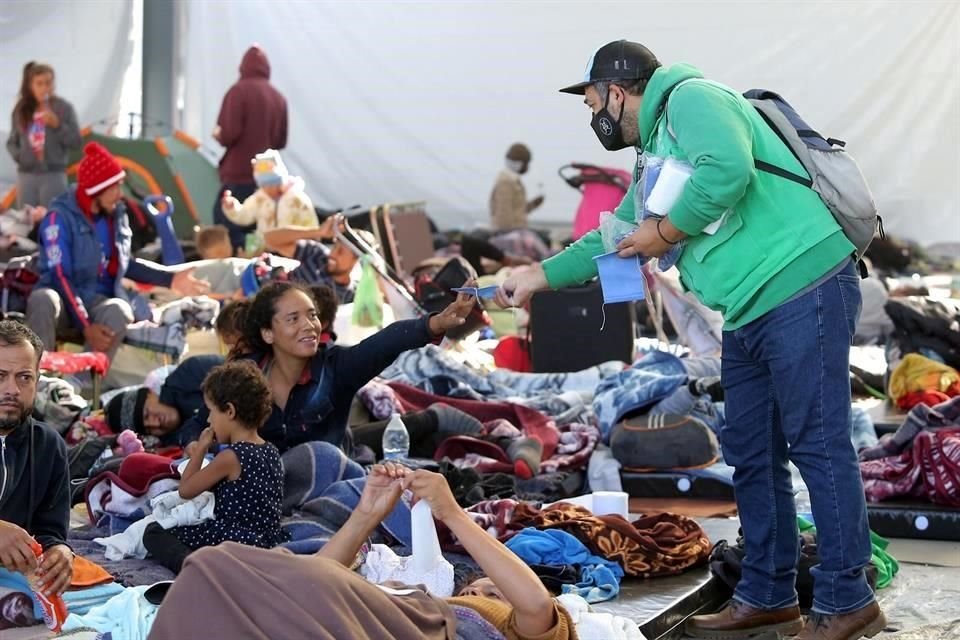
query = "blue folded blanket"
x=599 y=577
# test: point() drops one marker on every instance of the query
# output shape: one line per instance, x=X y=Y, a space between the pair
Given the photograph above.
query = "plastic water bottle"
x=396 y=440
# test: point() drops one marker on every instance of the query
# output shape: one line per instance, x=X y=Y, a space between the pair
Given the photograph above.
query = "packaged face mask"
x=669 y=186
x=484 y=293
x=621 y=279
x=613 y=230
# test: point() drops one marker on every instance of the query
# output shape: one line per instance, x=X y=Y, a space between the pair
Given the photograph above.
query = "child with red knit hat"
x=85 y=255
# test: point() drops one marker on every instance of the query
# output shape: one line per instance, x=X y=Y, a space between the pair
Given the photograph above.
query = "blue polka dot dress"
x=247 y=509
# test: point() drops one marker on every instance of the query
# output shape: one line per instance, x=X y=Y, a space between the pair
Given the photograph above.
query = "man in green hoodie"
x=767 y=254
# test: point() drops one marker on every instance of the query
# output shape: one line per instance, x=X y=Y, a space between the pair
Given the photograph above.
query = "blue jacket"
x=318 y=407
x=70 y=257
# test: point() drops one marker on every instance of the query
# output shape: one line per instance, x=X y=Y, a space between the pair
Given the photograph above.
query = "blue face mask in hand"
x=483 y=293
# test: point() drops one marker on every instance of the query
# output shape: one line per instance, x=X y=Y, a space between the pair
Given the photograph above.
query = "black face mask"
x=607 y=129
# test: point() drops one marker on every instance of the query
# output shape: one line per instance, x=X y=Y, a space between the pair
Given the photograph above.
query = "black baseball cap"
x=618 y=60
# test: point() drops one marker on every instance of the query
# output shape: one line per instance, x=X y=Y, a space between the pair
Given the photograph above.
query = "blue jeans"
x=787 y=384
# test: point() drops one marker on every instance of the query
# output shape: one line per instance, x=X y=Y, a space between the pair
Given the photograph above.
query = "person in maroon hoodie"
x=253 y=118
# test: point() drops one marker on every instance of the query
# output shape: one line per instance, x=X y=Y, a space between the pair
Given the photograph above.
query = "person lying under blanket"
x=220 y=592
x=313 y=383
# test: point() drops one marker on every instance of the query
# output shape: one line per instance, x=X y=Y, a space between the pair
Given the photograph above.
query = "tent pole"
x=159 y=35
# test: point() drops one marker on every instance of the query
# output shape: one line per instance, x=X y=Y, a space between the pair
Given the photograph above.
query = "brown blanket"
x=659 y=544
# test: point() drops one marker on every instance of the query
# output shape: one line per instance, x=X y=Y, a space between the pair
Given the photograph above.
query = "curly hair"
x=241 y=384
x=327 y=304
x=263 y=307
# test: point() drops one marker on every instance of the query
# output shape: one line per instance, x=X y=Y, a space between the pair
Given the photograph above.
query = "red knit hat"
x=97 y=171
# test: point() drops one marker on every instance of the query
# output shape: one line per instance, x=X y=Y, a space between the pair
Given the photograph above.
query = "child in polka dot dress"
x=246 y=477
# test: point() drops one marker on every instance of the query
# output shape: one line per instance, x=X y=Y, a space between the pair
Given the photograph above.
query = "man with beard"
x=34 y=479
x=766 y=253
x=335 y=267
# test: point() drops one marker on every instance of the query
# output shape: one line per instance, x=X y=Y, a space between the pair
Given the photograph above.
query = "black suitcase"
x=565 y=330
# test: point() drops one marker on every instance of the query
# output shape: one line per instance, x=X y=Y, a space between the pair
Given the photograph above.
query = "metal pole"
x=159 y=31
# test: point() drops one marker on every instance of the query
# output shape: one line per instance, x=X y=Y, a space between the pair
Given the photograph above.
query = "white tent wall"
x=88 y=44
x=394 y=101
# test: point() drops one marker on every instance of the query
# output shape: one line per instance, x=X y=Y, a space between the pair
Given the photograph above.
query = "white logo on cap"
x=605 y=126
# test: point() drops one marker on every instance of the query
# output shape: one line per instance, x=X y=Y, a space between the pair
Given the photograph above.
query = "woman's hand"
x=380 y=494
x=381 y=491
x=517 y=290
x=433 y=488
x=455 y=314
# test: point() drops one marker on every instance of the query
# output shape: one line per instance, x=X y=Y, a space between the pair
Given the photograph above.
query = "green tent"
x=170 y=165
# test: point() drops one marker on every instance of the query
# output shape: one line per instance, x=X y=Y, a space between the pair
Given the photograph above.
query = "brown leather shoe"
x=862 y=623
x=738 y=620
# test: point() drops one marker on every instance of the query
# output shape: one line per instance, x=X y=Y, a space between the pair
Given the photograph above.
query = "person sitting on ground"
x=35 y=490
x=85 y=257
x=164 y=414
x=213 y=242
x=233 y=579
x=313 y=384
x=337 y=267
x=327 y=305
x=246 y=477
x=279 y=201
x=230 y=322
x=509 y=207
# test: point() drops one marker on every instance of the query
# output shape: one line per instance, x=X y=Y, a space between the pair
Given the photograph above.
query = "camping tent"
x=171 y=165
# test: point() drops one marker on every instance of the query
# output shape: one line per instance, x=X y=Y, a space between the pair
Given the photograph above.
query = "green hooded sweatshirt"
x=778 y=238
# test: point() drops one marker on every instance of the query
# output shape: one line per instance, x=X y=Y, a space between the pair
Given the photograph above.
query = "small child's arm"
x=241 y=214
x=195 y=480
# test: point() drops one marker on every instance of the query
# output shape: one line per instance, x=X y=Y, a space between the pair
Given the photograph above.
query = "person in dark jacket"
x=162 y=415
x=43 y=132
x=313 y=384
x=253 y=118
x=34 y=479
x=85 y=255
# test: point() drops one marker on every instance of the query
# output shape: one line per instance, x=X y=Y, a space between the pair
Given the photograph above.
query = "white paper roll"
x=611 y=503
x=673 y=177
x=426 y=545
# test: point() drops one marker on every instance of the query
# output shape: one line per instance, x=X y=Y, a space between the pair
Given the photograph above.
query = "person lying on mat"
x=313 y=383
x=219 y=592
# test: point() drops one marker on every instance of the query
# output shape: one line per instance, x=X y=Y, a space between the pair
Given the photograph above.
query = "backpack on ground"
x=834 y=174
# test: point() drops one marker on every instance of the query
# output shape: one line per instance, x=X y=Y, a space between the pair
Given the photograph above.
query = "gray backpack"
x=834 y=174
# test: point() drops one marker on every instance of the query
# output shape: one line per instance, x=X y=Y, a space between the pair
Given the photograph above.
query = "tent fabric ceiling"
x=394 y=102
x=410 y=101
x=88 y=44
